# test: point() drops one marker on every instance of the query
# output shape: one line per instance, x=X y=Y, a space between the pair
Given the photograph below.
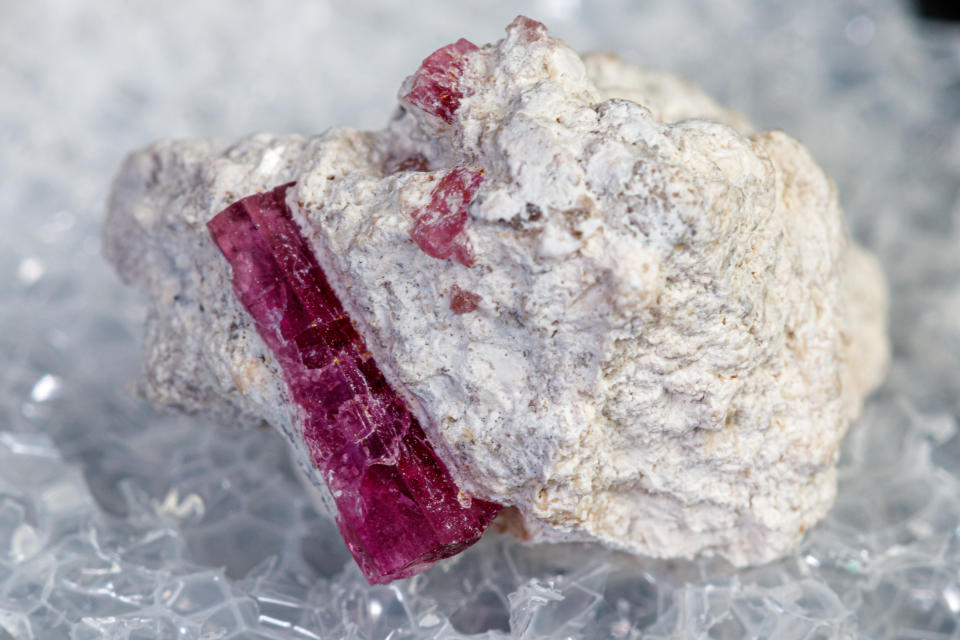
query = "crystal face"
x=529 y=29
x=438 y=228
x=463 y=301
x=436 y=85
x=399 y=509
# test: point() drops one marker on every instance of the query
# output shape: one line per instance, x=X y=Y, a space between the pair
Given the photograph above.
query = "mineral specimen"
x=438 y=228
x=435 y=87
x=397 y=506
x=610 y=303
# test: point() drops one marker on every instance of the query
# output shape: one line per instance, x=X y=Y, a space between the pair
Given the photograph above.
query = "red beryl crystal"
x=436 y=84
x=463 y=301
x=399 y=510
x=529 y=29
x=438 y=228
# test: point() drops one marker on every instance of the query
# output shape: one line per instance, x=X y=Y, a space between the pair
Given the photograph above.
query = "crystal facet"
x=528 y=28
x=463 y=301
x=436 y=84
x=438 y=228
x=399 y=509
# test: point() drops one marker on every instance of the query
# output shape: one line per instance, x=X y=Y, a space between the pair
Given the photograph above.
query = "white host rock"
x=672 y=332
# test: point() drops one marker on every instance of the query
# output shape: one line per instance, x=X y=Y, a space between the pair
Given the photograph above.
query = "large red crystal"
x=436 y=84
x=399 y=510
x=438 y=228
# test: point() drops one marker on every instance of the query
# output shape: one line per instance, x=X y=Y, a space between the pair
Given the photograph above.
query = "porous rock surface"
x=657 y=340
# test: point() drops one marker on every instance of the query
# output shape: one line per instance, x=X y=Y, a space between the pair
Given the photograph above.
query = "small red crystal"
x=414 y=162
x=463 y=301
x=436 y=84
x=399 y=510
x=528 y=28
x=438 y=228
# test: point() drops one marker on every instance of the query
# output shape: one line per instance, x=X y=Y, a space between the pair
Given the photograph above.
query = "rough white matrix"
x=673 y=330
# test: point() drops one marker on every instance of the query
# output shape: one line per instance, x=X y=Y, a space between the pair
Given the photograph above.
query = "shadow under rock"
x=484 y=611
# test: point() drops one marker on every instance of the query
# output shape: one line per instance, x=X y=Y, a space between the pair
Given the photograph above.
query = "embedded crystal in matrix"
x=439 y=227
x=607 y=302
x=398 y=508
x=436 y=84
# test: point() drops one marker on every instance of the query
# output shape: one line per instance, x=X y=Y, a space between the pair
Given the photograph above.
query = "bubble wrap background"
x=120 y=522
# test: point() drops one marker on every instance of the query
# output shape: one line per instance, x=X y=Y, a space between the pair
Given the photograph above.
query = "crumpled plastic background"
x=118 y=521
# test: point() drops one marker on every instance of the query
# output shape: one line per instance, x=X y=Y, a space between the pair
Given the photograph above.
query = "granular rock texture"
x=610 y=303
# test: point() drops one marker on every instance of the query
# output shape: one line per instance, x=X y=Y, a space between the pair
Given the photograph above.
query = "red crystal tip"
x=436 y=84
x=439 y=229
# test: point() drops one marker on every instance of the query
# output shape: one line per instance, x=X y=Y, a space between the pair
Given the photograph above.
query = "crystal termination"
x=439 y=227
x=436 y=87
x=398 y=507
